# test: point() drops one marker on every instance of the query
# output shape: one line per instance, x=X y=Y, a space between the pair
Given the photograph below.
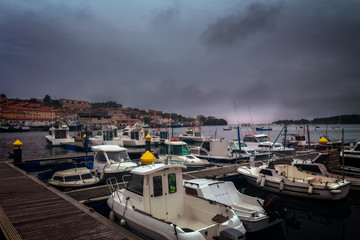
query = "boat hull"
x=301 y=190
x=59 y=142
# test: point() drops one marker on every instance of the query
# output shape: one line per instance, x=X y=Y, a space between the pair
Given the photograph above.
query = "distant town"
x=42 y=113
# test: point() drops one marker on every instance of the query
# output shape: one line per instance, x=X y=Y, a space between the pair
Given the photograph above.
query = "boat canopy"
x=108 y=148
x=151 y=168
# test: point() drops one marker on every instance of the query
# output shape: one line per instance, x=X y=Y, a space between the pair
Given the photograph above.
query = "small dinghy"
x=73 y=178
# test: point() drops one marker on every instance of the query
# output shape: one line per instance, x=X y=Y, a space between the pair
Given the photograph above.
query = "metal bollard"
x=17 y=151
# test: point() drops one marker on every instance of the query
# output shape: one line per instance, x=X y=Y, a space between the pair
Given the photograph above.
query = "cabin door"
x=158 y=194
x=165 y=197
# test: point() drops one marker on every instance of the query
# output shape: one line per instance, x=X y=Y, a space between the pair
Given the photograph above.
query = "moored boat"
x=73 y=178
x=351 y=156
x=107 y=136
x=177 y=152
x=192 y=135
x=154 y=204
x=225 y=151
x=261 y=143
x=59 y=135
x=287 y=179
x=326 y=163
x=110 y=161
x=134 y=136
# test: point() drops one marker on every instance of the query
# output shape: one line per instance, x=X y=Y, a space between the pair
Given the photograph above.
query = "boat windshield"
x=236 y=145
x=179 y=150
x=300 y=138
x=118 y=157
x=136 y=184
x=262 y=139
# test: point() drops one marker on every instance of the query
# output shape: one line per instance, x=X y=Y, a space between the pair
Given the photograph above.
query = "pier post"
x=148 y=143
x=17 y=152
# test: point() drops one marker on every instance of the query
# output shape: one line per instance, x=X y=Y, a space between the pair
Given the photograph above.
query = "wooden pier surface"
x=31 y=210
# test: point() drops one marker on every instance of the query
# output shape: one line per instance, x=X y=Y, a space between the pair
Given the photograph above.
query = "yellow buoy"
x=147 y=158
x=323 y=141
x=17 y=143
x=148 y=136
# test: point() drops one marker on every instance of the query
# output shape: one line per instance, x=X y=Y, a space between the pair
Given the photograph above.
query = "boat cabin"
x=74 y=177
x=107 y=155
x=176 y=147
x=59 y=132
x=256 y=138
x=158 y=190
x=107 y=134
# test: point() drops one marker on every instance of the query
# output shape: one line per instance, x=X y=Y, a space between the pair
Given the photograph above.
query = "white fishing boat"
x=260 y=143
x=110 y=161
x=59 y=135
x=225 y=151
x=247 y=151
x=107 y=136
x=134 y=136
x=249 y=209
x=192 y=135
x=326 y=163
x=154 y=204
x=177 y=152
x=287 y=179
x=73 y=178
x=227 y=128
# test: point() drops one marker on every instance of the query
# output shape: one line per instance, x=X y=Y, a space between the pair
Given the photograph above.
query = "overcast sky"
x=272 y=59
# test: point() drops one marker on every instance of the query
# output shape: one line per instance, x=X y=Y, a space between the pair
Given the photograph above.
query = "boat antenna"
x=342 y=150
x=238 y=129
x=252 y=121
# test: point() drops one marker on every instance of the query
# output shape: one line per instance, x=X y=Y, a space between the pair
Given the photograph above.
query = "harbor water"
x=319 y=219
x=34 y=143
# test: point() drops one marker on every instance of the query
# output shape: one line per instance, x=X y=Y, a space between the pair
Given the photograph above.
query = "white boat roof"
x=151 y=168
x=72 y=172
x=108 y=148
x=260 y=135
x=177 y=142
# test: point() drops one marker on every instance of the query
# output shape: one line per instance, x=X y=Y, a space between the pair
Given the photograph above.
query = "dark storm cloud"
x=238 y=27
x=281 y=59
x=307 y=55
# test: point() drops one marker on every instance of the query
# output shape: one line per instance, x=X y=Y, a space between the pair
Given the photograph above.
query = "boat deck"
x=29 y=209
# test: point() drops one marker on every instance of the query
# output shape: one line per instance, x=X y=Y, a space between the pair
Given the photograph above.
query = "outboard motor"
x=274 y=208
x=231 y=234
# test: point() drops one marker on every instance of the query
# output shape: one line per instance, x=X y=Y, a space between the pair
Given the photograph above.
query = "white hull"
x=188 y=227
x=133 y=143
x=57 y=142
x=301 y=190
x=101 y=142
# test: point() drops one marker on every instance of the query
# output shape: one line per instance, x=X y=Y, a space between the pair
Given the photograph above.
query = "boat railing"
x=114 y=189
x=112 y=184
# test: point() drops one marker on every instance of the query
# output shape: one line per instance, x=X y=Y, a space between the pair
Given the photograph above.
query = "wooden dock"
x=29 y=209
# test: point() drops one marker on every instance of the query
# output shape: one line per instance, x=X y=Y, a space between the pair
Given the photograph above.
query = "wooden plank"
x=37 y=211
